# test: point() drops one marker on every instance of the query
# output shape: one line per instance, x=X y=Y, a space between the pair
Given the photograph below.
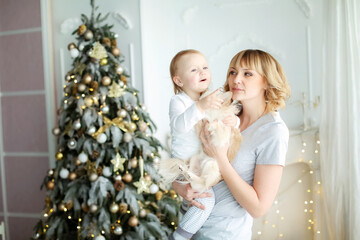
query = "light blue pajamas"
x=194 y=218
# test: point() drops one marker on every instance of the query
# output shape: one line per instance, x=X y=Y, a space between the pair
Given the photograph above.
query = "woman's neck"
x=250 y=113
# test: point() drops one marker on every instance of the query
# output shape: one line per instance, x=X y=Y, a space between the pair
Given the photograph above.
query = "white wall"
x=289 y=30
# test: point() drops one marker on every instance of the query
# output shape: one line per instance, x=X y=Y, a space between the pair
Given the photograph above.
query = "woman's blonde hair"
x=174 y=66
x=278 y=89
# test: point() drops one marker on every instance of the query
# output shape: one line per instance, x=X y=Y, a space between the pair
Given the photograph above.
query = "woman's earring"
x=180 y=84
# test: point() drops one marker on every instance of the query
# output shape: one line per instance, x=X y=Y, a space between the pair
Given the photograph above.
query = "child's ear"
x=177 y=81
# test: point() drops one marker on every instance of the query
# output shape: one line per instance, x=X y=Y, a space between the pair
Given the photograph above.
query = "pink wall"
x=23 y=139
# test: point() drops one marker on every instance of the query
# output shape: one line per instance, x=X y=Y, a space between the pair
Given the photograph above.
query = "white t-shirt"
x=184 y=115
x=264 y=142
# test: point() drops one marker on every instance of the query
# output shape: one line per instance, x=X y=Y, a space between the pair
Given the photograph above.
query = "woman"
x=251 y=182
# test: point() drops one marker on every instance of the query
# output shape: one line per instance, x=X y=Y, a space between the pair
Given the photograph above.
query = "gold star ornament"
x=118 y=162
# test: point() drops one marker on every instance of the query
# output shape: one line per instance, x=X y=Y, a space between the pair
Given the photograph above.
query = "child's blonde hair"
x=174 y=67
x=278 y=89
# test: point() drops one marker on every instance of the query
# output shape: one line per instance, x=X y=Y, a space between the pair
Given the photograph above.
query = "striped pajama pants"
x=194 y=218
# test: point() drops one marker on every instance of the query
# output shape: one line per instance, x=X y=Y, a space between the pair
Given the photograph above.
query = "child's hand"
x=231 y=120
x=212 y=101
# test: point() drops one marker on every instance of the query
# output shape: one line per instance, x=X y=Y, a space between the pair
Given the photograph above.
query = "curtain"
x=340 y=120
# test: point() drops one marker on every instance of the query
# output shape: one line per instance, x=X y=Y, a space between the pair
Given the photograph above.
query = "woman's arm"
x=185 y=191
x=256 y=199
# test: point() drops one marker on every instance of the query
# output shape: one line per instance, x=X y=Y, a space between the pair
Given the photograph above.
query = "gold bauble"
x=122 y=113
x=158 y=195
x=50 y=185
x=133 y=162
x=103 y=61
x=71 y=46
x=115 y=51
x=77 y=162
x=123 y=207
x=94 y=86
x=133 y=221
x=132 y=127
x=172 y=194
x=87 y=78
x=69 y=205
x=72 y=176
x=81 y=29
x=113 y=42
x=93 y=208
x=142 y=126
x=127 y=177
x=123 y=78
x=59 y=156
x=93 y=177
x=61 y=206
x=106 y=80
x=88 y=101
x=147 y=177
x=106 y=41
x=114 y=208
x=134 y=116
x=88 y=35
x=84 y=207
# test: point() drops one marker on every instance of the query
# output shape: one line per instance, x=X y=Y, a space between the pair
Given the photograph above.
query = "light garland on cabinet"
x=274 y=218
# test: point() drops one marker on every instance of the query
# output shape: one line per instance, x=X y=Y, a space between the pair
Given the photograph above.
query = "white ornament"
x=93 y=177
x=93 y=208
x=83 y=157
x=107 y=171
x=156 y=160
x=77 y=124
x=120 y=70
x=82 y=46
x=154 y=188
x=81 y=87
x=100 y=237
x=118 y=230
x=105 y=109
x=118 y=178
x=91 y=130
x=74 y=52
x=64 y=173
x=127 y=137
x=101 y=138
x=72 y=144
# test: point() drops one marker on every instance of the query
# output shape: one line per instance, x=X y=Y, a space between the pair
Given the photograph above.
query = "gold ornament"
x=56 y=131
x=69 y=205
x=106 y=80
x=90 y=167
x=93 y=208
x=71 y=46
x=72 y=176
x=122 y=113
x=48 y=201
x=50 y=185
x=123 y=207
x=148 y=178
x=158 y=195
x=133 y=163
x=132 y=127
x=115 y=90
x=134 y=116
x=77 y=162
x=61 y=206
x=81 y=87
x=127 y=177
x=88 y=35
x=115 y=51
x=142 y=185
x=84 y=207
x=118 y=162
x=142 y=126
x=82 y=29
x=88 y=101
x=79 y=67
x=118 y=121
x=68 y=129
x=119 y=185
x=93 y=177
x=123 y=78
x=87 y=78
x=103 y=61
x=133 y=221
x=93 y=86
x=172 y=194
x=113 y=42
x=98 y=51
x=106 y=41
x=59 y=156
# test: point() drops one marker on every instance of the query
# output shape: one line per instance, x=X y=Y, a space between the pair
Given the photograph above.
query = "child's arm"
x=211 y=101
x=231 y=121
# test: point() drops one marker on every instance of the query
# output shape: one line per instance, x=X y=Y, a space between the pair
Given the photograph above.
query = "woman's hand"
x=186 y=191
x=230 y=120
x=217 y=152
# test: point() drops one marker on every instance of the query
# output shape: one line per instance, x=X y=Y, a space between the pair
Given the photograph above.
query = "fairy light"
x=281 y=235
x=259 y=233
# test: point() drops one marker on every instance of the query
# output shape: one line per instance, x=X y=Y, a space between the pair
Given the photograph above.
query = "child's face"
x=193 y=74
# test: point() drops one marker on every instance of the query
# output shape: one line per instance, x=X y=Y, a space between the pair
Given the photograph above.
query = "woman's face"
x=246 y=84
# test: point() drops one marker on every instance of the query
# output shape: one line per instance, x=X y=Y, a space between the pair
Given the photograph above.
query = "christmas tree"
x=105 y=184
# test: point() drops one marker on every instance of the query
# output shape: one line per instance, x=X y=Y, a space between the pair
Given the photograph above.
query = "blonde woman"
x=251 y=182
